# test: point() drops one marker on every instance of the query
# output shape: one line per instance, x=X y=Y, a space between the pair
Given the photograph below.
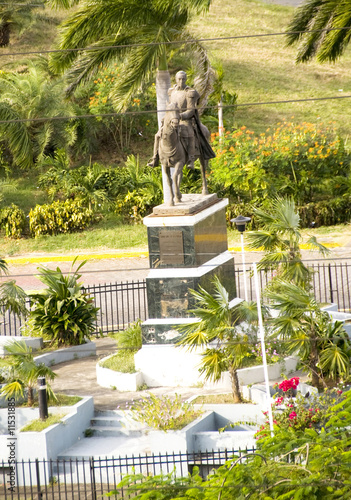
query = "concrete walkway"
x=78 y=377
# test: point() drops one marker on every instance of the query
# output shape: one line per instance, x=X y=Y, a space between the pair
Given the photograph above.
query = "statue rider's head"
x=181 y=79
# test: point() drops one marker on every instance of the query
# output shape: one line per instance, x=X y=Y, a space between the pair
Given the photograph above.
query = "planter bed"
x=67 y=354
x=35 y=343
x=117 y=380
x=51 y=441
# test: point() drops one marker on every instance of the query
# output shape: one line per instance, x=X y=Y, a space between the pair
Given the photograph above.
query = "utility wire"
x=143 y=112
x=171 y=42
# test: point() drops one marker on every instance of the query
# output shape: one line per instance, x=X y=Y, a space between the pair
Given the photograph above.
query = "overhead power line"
x=171 y=42
x=143 y=112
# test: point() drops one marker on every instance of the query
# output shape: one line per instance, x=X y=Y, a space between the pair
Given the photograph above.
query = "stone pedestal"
x=187 y=248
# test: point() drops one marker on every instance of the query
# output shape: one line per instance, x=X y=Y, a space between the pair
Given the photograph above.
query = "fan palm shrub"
x=31 y=95
x=220 y=332
x=280 y=238
x=63 y=312
x=21 y=372
x=323 y=347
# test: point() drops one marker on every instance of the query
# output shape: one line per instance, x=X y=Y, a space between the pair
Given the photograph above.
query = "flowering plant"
x=300 y=412
x=292 y=383
x=293 y=159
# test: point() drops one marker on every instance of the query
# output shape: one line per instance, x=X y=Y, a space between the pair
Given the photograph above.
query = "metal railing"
x=124 y=303
x=92 y=478
x=331 y=283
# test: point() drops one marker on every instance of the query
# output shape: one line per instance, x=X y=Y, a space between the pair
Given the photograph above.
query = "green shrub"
x=299 y=160
x=164 y=413
x=59 y=217
x=326 y=213
x=13 y=221
x=131 y=338
x=62 y=312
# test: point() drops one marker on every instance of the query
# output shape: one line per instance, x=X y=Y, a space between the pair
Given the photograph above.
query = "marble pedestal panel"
x=187 y=240
x=187 y=248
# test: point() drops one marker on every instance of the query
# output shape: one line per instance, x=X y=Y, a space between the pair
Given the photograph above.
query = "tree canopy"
x=323 y=29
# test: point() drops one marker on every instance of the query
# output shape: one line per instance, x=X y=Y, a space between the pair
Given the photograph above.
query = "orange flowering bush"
x=290 y=160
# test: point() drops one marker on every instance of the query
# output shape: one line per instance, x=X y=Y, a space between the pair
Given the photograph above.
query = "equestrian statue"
x=182 y=138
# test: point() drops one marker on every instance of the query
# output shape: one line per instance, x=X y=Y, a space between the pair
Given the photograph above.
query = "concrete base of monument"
x=190 y=204
x=172 y=366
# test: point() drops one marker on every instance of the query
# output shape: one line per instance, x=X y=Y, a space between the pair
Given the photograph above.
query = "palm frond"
x=13 y=298
x=17 y=136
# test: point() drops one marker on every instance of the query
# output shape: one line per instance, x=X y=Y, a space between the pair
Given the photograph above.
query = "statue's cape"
x=205 y=149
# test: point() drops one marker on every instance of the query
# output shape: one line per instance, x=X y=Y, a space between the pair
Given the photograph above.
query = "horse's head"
x=172 y=115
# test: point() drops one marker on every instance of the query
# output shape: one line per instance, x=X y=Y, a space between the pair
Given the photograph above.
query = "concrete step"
x=107 y=422
x=106 y=431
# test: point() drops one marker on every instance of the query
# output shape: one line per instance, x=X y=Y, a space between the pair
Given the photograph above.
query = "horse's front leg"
x=204 y=164
x=167 y=172
x=177 y=179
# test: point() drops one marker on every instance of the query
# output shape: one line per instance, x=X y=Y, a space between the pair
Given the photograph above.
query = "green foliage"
x=33 y=94
x=227 y=345
x=122 y=128
x=21 y=372
x=63 y=312
x=299 y=462
x=290 y=160
x=326 y=212
x=161 y=487
x=131 y=338
x=144 y=191
x=164 y=413
x=13 y=221
x=321 y=28
x=323 y=347
x=280 y=238
x=300 y=413
x=59 y=217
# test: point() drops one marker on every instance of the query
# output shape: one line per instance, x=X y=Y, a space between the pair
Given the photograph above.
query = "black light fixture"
x=241 y=222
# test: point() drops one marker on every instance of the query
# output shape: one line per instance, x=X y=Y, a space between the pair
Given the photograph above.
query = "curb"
x=116 y=255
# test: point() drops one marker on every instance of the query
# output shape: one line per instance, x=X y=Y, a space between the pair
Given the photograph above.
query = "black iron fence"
x=331 y=283
x=123 y=303
x=92 y=478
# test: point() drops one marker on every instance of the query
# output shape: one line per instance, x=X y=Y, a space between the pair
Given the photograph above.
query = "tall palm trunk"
x=163 y=83
x=235 y=385
x=30 y=396
x=5 y=34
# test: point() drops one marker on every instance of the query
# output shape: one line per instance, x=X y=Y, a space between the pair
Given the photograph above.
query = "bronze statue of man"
x=186 y=99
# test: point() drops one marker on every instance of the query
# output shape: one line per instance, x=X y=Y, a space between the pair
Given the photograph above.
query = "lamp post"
x=240 y=223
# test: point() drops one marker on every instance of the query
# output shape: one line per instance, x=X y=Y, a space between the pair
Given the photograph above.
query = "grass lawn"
x=263 y=69
x=39 y=425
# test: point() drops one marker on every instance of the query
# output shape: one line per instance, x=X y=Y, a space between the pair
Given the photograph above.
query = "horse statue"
x=173 y=154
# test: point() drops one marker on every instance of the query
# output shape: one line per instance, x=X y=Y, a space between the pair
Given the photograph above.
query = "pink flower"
x=292 y=415
x=279 y=401
x=289 y=384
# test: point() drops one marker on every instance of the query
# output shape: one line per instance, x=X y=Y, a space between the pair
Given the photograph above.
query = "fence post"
x=330 y=283
x=92 y=478
x=40 y=495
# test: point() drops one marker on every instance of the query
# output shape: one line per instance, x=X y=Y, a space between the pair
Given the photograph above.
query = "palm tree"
x=140 y=34
x=17 y=15
x=226 y=346
x=323 y=29
x=32 y=95
x=12 y=297
x=323 y=347
x=21 y=372
x=280 y=238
